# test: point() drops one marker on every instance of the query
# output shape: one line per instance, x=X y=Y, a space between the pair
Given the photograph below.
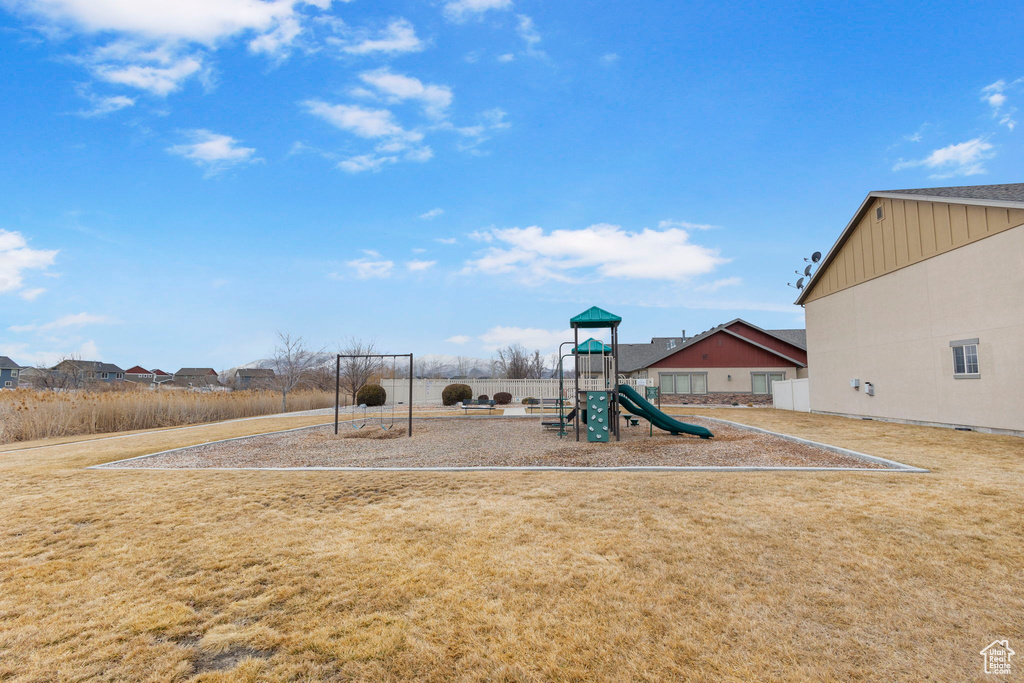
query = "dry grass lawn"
x=214 y=575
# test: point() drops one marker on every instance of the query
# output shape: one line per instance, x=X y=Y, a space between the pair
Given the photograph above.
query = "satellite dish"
x=816 y=256
x=800 y=283
x=807 y=271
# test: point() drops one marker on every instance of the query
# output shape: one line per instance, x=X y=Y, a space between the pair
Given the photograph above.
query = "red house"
x=732 y=363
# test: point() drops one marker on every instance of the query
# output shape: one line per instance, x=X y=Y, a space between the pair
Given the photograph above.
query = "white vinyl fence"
x=792 y=394
x=427 y=391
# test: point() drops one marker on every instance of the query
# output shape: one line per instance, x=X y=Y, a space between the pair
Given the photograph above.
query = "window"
x=965 y=359
x=683 y=382
x=14 y=373
x=103 y=375
x=879 y=213
x=7 y=384
x=761 y=382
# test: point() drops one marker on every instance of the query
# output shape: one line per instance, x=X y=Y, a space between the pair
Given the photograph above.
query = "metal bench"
x=477 y=404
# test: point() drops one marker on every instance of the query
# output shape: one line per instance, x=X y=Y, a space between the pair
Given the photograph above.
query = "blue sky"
x=182 y=180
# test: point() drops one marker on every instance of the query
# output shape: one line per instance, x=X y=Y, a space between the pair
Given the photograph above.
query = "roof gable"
x=722 y=348
x=8 y=364
x=915 y=225
x=137 y=370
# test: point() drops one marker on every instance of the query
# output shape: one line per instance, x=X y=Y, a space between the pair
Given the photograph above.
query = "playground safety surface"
x=469 y=442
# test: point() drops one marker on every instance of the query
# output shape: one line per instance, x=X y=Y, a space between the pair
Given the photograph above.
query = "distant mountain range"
x=428 y=365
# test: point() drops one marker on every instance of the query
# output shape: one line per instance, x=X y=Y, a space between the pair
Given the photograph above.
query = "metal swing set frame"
x=337 y=387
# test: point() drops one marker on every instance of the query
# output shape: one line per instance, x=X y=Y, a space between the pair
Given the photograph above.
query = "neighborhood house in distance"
x=71 y=374
x=735 y=362
x=917 y=312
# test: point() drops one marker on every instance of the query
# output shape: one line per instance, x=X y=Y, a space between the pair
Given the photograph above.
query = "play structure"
x=598 y=395
x=386 y=413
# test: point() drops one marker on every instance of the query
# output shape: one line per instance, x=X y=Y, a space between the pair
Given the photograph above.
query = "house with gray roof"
x=80 y=372
x=10 y=373
x=735 y=362
x=253 y=378
x=916 y=313
x=196 y=377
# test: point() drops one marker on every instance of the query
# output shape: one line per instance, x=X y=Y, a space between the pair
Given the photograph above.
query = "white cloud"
x=366 y=269
x=364 y=122
x=446 y=240
x=155 y=45
x=528 y=32
x=87 y=351
x=69 y=321
x=435 y=99
x=718 y=284
x=995 y=95
x=371 y=252
x=609 y=58
x=507 y=57
x=107 y=105
x=15 y=258
x=158 y=80
x=432 y=214
x=365 y=162
x=398 y=36
x=31 y=294
x=530 y=337
x=602 y=250
x=416 y=266
x=459 y=339
x=213 y=151
x=459 y=10
x=686 y=225
x=963 y=159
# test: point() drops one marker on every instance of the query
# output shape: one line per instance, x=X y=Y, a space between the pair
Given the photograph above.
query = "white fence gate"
x=427 y=391
x=792 y=394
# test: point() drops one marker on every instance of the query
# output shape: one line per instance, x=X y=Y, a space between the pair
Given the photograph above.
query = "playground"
x=499 y=442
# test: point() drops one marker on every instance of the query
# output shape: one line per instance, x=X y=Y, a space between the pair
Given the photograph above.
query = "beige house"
x=917 y=312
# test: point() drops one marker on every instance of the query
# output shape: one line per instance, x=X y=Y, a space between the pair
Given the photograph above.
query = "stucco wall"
x=895 y=330
x=718 y=378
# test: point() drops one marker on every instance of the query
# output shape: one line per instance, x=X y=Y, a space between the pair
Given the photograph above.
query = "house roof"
x=92 y=365
x=1012 y=192
x=1010 y=196
x=8 y=364
x=793 y=336
x=193 y=372
x=255 y=372
x=137 y=370
x=632 y=357
x=594 y=317
x=161 y=373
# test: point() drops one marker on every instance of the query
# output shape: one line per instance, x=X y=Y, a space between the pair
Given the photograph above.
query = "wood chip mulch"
x=470 y=441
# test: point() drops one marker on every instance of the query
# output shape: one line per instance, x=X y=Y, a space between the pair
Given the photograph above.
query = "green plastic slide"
x=638 y=405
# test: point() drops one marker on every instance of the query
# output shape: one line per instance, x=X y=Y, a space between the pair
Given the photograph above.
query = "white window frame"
x=690 y=375
x=14 y=373
x=959 y=348
x=8 y=384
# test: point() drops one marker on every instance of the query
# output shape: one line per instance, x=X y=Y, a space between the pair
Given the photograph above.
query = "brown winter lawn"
x=219 y=575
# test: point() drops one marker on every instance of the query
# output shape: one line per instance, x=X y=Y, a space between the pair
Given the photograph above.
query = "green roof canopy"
x=595 y=317
x=592 y=346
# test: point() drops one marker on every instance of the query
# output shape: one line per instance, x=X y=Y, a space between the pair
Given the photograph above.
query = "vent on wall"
x=879 y=214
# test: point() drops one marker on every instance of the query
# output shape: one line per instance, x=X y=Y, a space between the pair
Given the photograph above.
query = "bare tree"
x=357 y=372
x=462 y=367
x=292 y=363
x=514 y=362
x=536 y=369
x=66 y=374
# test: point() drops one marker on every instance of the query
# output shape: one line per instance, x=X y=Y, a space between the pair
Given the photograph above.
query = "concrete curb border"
x=891 y=465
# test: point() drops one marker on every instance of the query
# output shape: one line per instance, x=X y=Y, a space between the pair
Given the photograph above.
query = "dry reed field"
x=708 y=576
x=26 y=414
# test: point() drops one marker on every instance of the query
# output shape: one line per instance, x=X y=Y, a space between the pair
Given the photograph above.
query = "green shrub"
x=503 y=398
x=483 y=397
x=372 y=395
x=453 y=393
x=528 y=399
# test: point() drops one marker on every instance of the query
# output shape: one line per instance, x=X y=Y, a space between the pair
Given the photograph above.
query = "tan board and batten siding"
x=910 y=231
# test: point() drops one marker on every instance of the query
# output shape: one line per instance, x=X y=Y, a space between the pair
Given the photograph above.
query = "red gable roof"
x=161 y=373
x=137 y=370
x=724 y=349
x=766 y=339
